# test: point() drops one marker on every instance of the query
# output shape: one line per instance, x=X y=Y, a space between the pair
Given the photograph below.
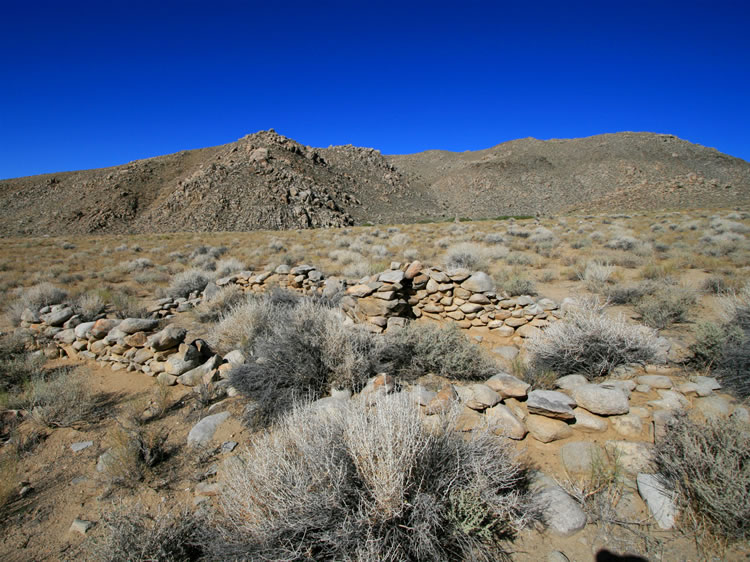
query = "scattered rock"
x=561 y=513
x=81 y=526
x=551 y=404
x=202 y=432
x=599 y=400
x=546 y=429
x=659 y=500
x=81 y=445
x=508 y=386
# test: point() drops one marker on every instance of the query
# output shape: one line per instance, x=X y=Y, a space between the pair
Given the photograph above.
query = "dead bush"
x=370 y=484
x=667 y=305
x=590 y=342
x=709 y=466
x=188 y=281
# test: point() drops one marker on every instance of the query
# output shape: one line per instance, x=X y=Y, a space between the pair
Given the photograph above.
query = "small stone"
x=202 y=432
x=562 y=514
x=655 y=381
x=628 y=425
x=228 y=446
x=482 y=397
x=507 y=385
x=166 y=379
x=569 y=382
x=710 y=382
x=81 y=445
x=81 y=526
x=502 y=421
x=391 y=276
x=551 y=403
x=587 y=421
x=546 y=429
x=643 y=388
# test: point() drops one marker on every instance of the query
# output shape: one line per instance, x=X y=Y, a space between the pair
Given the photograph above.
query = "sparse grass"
x=188 y=281
x=221 y=304
x=370 y=485
x=709 y=465
x=132 y=534
x=62 y=398
x=589 y=342
x=667 y=305
x=133 y=450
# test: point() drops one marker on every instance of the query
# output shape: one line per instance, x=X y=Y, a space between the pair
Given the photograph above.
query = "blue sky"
x=94 y=84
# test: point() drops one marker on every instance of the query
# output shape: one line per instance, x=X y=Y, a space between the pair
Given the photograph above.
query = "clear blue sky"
x=93 y=84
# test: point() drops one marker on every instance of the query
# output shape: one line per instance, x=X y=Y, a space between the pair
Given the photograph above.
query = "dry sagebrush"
x=590 y=342
x=370 y=484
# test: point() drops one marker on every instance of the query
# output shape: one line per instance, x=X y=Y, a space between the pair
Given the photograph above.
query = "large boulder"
x=503 y=422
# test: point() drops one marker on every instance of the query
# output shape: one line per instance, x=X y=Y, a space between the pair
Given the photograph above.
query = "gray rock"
x=507 y=352
x=655 y=381
x=115 y=336
x=551 y=404
x=599 y=400
x=195 y=376
x=169 y=337
x=569 y=382
x=133 y=325
x=166 y=379
x=30 y=316
x=66 y=336
x=82 y=330
x=482 y=397
x=503 y=422
x=228 y=446
x=81 y=526
x=391 y=276
x=695 y=389
x=211 y=290
x=711 y=382
x=508 y=386
x=81 y=445
x=670 y=400
x=203 y=432
x=105 y=460
x=479 y=282
x=713 y=407
x=586 y=421
x=556 y=556
x=235 y=357
x=580 y=457
x=283 y=269
x=58 y=317
x=561 y=513
x=628 y=425
x=102 y=327
x=741 y=414
x=659 y=499
x=422 y=395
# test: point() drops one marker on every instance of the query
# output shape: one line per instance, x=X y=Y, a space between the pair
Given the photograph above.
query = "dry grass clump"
x=667 y=305
x=62 y=398
x=514 y=282
x=466 y=255
x=709 y=466
x=214 y=308
x=34 y=297
x=228 y=266
x=597 y=274
x=188 y=281
x=131 y=534
x=133 y=450
x=589 y=342
x=370 y=484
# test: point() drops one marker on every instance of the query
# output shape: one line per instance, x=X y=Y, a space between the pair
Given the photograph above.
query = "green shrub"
x=370 y=484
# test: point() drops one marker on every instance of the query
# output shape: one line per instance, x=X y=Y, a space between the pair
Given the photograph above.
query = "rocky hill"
x=267 y=181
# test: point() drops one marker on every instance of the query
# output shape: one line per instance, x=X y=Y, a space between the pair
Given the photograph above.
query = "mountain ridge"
x=268 y=181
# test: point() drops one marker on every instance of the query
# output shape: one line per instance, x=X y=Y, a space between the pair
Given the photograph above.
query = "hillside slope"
x=267 y=181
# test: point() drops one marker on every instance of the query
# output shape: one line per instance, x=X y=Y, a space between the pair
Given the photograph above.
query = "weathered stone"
x=203 y=432
x=713 y=407
x=137 y=339
x=142 y=355
x=502 y=421
x=587 y=421
x=479 y=282
x=655 y=381
x=570 y=382
x=515 y=322
x=422 y=395
x=469 y=308
x=196 y=375
x=710 y=382
x=469 y=420
x=133 y=325
x=235 y=357
x=482 y=397
x=360 y=290
x=694 y=389
x=628 y=425
x=599 y=400
x=551 y=404
x=30 y=316
x=581 y=457
x=659 y=499
x=670 y=400
x=81 y=445
x=102 y=327
x=634 y=457
x=182 y=361
x=528 y=331
x=662 y=419
x=81 y=526
x=57 y=318
x=167 y=338
x=391 y=276
x=443 y=401
x=546 y=429
x=507 y=352
x=377 y=307
x=82 y=330
x=413 y=270
x=66 y=336
x=508 y=386
x=562 y=514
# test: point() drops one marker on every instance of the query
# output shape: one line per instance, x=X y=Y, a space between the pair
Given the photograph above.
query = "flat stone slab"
x=81 y=445
x=659 y=500
x=655 y=381
x=546 y=429
x=551 y=404
x=633 y=456
x=507 y=385
x=600 y=400
x=203 y=432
